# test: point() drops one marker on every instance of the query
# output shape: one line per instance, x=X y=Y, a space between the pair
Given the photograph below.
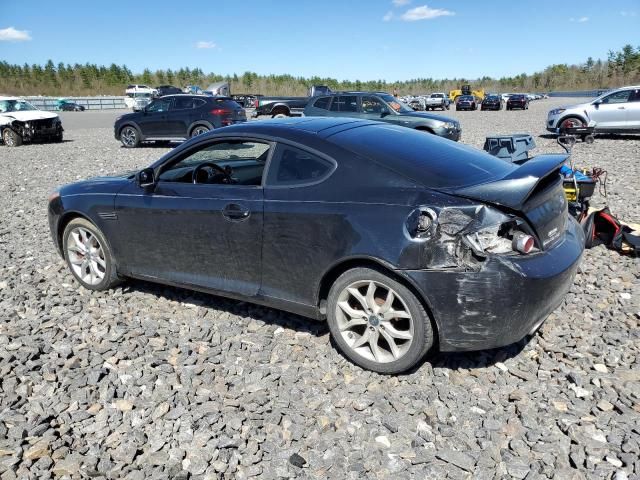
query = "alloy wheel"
x=129 y=136
x=374 y=321
x=199 y=131
x=86 y=256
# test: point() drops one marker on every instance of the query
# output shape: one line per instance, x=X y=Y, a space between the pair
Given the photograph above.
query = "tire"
x=279 y=115
x=11 y=138
x=129 y=136
x=95 y=270
x=570 y=122
x=199 y=130
x=413 y=334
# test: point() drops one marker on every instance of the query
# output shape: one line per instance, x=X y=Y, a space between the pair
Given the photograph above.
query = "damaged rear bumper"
x=503 y=302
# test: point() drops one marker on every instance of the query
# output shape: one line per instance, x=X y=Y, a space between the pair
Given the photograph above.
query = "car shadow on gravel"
x=154 y=145
x=447 y=360
x=234 y=307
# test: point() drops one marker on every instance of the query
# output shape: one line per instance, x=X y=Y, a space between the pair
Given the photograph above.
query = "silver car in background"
x=617 y=111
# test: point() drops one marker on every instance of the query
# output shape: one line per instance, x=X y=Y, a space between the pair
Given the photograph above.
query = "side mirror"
x=384 y=112
x=146 y=178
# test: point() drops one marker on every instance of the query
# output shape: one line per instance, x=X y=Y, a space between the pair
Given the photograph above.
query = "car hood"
x=103 y=185
x=428 y=116
x=577 y=106
x=27 y=116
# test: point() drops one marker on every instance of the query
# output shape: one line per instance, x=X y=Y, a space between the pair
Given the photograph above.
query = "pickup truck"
x=437 y=100
x=279 y=107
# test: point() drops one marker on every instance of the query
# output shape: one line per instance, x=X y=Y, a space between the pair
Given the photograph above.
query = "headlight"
x=27 y=125
x=450 y=125
x=557 y=111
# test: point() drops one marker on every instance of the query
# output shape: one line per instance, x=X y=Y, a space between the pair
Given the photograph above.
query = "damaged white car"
x=22 y=122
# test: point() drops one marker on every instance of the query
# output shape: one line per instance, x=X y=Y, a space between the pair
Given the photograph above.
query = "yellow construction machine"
x=466 y=90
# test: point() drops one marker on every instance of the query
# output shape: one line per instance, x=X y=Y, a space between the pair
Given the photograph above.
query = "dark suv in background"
x=382 y=107
x=176 y=118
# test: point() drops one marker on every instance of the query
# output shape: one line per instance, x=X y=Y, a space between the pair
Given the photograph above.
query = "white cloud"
x=628 y=14
x=203 y=44
x=400 y=3
x=579 y=20
x=424 y=13
x=388 y=17
x=12 y=35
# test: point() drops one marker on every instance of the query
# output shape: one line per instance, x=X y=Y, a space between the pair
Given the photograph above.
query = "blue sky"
x=363 y=40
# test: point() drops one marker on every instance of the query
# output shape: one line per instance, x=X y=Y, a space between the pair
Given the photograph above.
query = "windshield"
x=15 y=106
x=396 y=104
x=466 y=98
x=493 y=97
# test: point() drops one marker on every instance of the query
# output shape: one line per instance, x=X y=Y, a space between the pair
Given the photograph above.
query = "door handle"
x=620 y=108
x=235 y=212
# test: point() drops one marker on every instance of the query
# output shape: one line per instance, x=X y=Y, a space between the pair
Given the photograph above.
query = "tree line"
x=621 y=67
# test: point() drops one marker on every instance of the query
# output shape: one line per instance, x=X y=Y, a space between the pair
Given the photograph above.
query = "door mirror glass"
x=146 y=178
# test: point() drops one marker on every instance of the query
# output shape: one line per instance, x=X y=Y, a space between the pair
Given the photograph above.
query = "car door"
x=610 y=112
x=206 y=235
x=633 y=111
x=372 y=108
x=180 y=116
x=345 y=106
x=153 y=119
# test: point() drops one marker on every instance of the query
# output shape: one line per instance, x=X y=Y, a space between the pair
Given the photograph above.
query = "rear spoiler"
x=513 y=190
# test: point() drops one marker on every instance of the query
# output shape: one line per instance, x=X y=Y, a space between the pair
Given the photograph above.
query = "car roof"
x=11 y=98
x=285 y=127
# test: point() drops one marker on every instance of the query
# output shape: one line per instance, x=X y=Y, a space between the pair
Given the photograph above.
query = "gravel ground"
x=149 y=382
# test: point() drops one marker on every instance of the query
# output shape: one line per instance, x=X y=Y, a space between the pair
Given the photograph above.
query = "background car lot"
x=159 y=380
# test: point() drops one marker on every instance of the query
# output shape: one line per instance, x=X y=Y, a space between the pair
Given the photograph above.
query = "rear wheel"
x=88 y=255
x=377 y=322
x=130 y=137
x=11 y=138
x=199 y=130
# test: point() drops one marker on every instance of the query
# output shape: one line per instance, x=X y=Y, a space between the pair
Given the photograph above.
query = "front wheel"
x=11 y=138
x=88 y=255
x=130 y=137
x=377 y=322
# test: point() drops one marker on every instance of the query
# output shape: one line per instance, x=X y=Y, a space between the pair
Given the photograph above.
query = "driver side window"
x=237 y=162
x=618 y=97
x=159 y=105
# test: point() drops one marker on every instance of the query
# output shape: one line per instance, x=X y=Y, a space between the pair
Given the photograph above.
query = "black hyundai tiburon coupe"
x=401 y=240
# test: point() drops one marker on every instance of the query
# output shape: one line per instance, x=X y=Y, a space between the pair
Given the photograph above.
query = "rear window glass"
x=322 y=103
x=432 y=161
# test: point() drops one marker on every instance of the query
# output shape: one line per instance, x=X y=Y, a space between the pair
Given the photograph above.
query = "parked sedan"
x=518 y=101
x=466 y=102
x=400 y=240
x=491 y=102
x=71 y=107
x=382 y=107
x=176 y=118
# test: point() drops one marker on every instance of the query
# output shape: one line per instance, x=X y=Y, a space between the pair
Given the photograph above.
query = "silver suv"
x=617 y=111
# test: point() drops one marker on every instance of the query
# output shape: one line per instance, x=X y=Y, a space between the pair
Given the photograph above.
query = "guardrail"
x=581 y=93
x=90 y=103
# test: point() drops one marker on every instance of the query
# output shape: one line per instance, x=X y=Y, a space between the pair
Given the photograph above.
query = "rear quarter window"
x=291 y=166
